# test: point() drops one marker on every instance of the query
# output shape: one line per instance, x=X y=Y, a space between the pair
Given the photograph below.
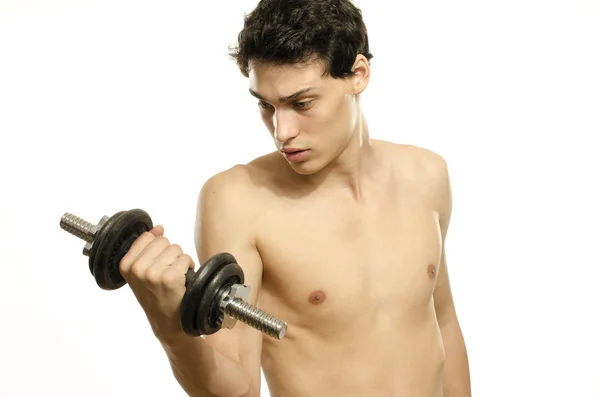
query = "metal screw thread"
x=254 y=317
x=78 y=227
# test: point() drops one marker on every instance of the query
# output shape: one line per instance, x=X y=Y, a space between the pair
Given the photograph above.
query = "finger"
x=147 y=257
x=155 y=248
x=158 y=230
x=178 y=269
x=165 y=259
x=168 y=256
x=171 y=278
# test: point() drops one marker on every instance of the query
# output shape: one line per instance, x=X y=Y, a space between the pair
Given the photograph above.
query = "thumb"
x=158 y=230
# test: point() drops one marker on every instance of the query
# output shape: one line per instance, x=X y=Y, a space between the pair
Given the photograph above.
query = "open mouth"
x=297 y=155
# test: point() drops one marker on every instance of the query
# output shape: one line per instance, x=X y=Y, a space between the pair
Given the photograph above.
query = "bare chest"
x=331 y=264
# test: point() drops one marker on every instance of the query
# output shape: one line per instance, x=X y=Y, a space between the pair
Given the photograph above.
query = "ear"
x=362 y=74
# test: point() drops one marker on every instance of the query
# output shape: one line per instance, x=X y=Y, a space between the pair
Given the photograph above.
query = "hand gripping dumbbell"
x=215 y=296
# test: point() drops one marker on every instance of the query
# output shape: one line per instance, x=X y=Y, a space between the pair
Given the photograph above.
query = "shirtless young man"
x=344 y=241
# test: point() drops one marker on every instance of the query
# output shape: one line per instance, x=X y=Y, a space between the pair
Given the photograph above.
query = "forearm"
x=204 y=372
x=457 y=378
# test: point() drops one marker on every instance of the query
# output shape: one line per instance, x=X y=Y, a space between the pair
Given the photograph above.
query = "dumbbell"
x=216 y=296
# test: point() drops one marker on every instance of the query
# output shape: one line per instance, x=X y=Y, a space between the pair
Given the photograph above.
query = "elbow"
x=218 y=390
x=252 y=391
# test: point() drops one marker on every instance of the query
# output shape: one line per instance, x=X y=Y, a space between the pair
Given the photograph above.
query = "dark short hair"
x=286 y=32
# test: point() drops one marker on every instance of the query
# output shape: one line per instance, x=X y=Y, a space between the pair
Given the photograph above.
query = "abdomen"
x=379 y=355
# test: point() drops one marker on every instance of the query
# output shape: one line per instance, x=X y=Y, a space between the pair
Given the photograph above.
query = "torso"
x=354 y=281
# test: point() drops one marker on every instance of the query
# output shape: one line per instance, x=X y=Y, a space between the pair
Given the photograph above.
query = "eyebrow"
x=283 y=98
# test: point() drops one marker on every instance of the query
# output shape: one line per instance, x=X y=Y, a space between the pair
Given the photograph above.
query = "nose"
x=284 y=127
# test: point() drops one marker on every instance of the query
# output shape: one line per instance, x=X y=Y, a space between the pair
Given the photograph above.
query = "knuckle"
x=152 y=275
x=168 y=279
x=138 y=268
x=125 y=264
x=188 y=261
x=176 y=248
x=143 y=240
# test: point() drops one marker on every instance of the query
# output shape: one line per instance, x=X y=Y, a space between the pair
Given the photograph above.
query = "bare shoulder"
x=232 y=180
x=240 y=184
x=230 y=199
x=416 y=161
x=424 y=167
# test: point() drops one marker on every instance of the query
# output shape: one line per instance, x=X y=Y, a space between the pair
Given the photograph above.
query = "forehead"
x=276 y=80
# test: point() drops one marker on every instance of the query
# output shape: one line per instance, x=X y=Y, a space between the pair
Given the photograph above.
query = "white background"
x=110 y=105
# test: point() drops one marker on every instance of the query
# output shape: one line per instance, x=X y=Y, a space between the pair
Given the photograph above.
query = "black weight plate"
x=100 y=236
x=197 y=287
x=209 y=313
x=118 y=235
x=194 y=289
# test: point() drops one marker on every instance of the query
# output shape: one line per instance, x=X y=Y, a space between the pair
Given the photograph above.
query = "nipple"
x=431 y=270
x=317 y=297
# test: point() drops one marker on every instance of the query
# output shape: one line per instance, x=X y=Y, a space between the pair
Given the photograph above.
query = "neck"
x=352 y=167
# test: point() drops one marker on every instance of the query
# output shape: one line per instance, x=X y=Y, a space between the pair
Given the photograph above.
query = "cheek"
x=341 y=114
x=329 y=112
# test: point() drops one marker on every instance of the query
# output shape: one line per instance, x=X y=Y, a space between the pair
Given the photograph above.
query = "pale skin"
x=346 y=246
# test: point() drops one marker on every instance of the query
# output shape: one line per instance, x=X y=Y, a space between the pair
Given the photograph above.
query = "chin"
x=304 y=168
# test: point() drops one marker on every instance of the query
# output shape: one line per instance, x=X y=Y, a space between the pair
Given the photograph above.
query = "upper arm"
x=224 y=224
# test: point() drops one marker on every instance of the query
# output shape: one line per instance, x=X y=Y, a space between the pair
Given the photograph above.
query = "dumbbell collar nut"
x=236 y=291
x=88 y=245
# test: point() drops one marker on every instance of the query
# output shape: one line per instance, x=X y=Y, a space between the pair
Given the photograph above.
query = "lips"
x=295 y=155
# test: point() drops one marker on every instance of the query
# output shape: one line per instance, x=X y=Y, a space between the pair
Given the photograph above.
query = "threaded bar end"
x=256 y=318
x=78 y=227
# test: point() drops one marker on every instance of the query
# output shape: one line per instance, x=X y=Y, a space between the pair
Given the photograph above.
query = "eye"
x=302 y=105
x=264 y=105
